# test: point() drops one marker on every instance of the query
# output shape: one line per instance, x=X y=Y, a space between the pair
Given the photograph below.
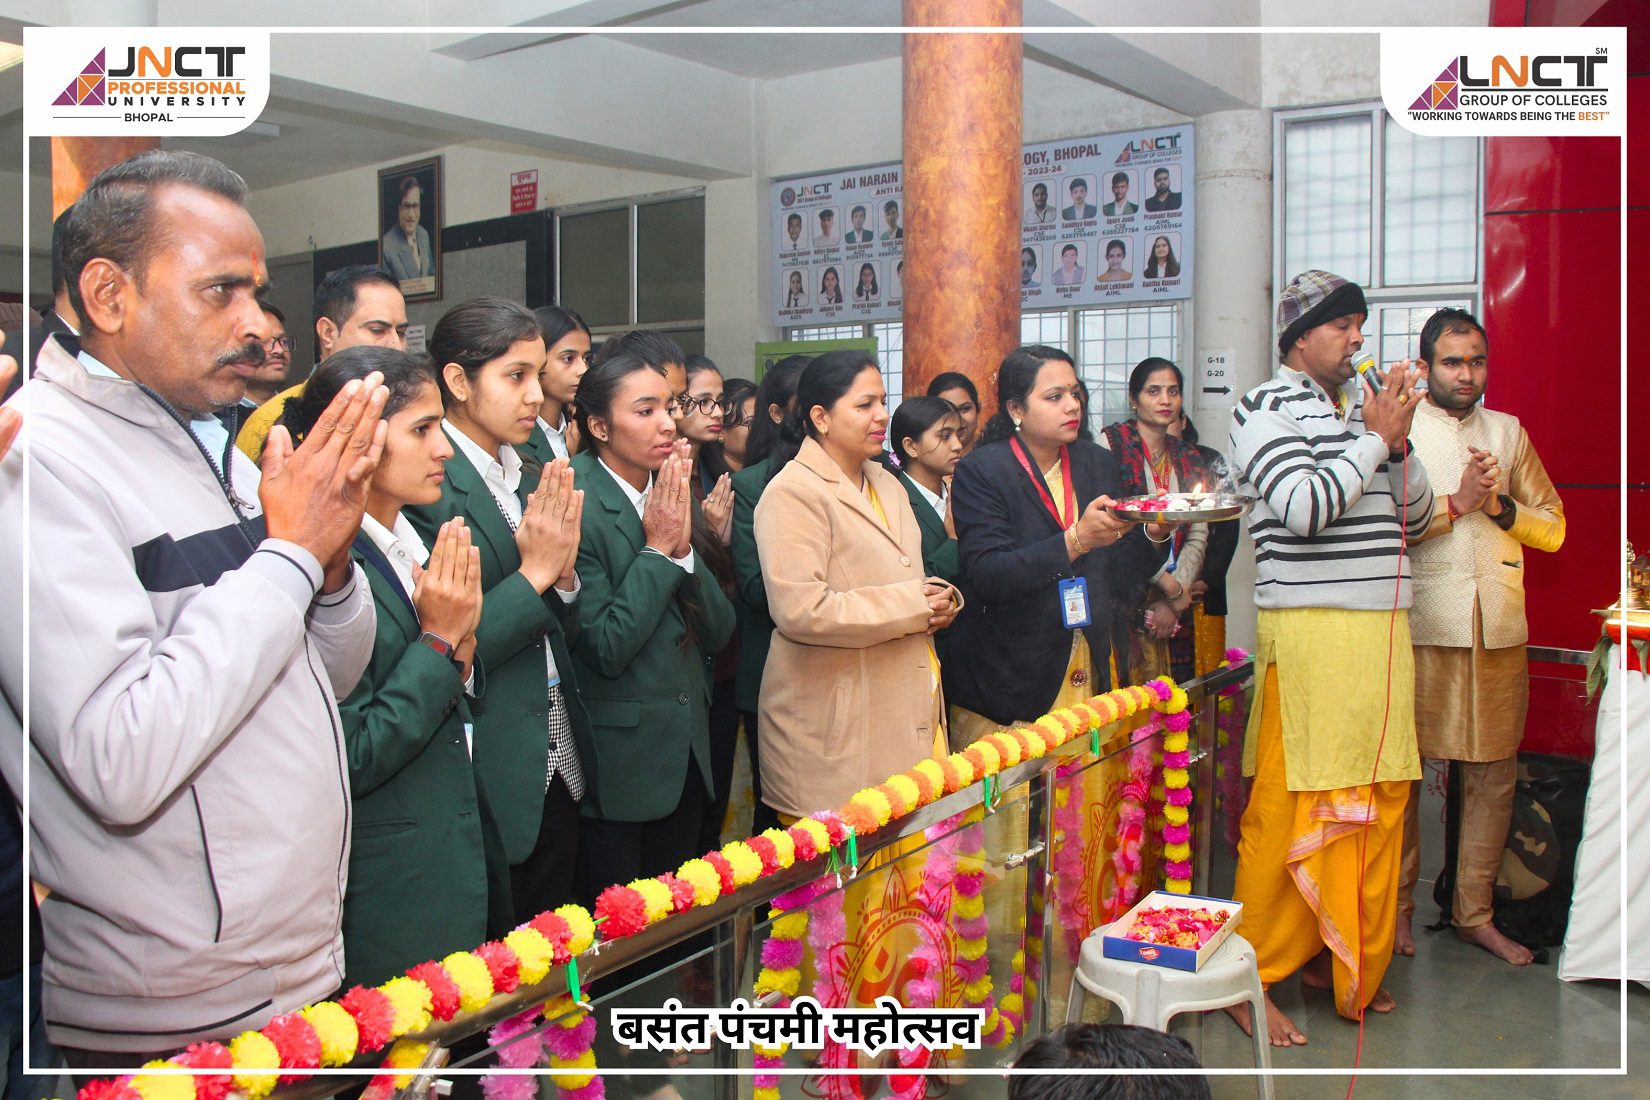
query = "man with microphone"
x=1331 y=738
x=1472 y=677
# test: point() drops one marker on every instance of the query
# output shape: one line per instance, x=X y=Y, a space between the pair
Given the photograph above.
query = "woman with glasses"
x=1048 y=569
x=701 y=424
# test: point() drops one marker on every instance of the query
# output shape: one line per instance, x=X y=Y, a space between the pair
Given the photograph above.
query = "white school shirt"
x=556 y=436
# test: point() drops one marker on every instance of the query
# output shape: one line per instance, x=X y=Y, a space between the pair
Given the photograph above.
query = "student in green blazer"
x=653 y=620
x=774 y=397
x=567 y=340
x=925 y=434
x=426 y=872
x=489 y=352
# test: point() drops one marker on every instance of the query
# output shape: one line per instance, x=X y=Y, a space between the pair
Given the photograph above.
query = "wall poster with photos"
x=1104 y=219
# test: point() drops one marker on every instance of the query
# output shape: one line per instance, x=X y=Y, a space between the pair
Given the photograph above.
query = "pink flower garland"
x=514 y=1052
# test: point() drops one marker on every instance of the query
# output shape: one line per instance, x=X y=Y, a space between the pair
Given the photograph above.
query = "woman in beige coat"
x=850 y=694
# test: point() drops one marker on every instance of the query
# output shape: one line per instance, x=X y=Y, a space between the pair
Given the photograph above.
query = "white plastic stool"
x=1153 y=995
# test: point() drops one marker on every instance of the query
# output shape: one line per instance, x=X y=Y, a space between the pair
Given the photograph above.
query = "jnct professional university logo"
x=87 y=89
x=186 y=81
x=1443 y=94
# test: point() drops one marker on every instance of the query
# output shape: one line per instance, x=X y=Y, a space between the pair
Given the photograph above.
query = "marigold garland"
x=365 y=1020
x=297 y=1043
x=334 y=1030
x=533 y=953
x=706 y=883
x=252 y=1050
x=162 y=1086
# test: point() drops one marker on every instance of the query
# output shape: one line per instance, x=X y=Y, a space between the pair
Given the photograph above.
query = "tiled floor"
x=1459 y=1008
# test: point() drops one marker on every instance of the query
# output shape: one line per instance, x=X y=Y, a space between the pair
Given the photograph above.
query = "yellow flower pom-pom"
x=816 y=830
x=1007 y=748
x=783 y=981
x=989 y=754
x=585 y=1061
x=971 y=949
x=656 y=900
x=559 y=1006
x=252 y=1050
x=1055 y=731
x=967 y=908
x=965 y=770
x=406 y=1055
x=784 y=846
x=975 y=992
x=474 y=980
x=1011 y=1005
x=931 y=769
x=791 y=926
x=1175 y=778
x=1176 y=815
x=412 y=1002
x=1177 y=701
x=533 y=951
x=746 y=864
x=336 y=1029
x=706 y=883
x=1177 y=852
x=164 y=1086
x=876 y=802
x=907 y=789
x=1008 y=1033
x=770 y=1052
x=583 y=929
x=970 y=864
x=1176 y=742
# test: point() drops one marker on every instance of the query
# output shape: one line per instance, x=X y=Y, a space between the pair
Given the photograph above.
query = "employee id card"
x=1074 y=602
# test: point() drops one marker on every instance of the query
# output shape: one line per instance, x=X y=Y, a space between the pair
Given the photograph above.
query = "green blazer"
x=512 y=733
x=755 y=627
x=939 y=550
x=538 y=453
x=647 y=693
x=426 y=867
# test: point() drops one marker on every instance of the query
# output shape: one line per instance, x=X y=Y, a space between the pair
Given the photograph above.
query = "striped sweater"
x=1326 y=528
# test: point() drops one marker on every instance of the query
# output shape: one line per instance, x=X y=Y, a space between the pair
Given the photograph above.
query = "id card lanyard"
x=1074 y=591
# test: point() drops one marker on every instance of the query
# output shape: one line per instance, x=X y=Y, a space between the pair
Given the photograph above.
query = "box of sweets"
x=1181 y=931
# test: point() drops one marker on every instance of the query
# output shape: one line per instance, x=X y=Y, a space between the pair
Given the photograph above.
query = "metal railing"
x=730 y=923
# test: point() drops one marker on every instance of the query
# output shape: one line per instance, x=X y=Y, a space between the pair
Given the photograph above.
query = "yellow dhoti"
x=1298 y=877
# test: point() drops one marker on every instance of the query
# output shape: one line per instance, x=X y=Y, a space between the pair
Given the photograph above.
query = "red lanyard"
x=1042 y=485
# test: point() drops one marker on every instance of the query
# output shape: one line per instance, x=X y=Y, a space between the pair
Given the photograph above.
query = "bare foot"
x=1280 y=1029
x=1382 y=1002
x=1490 y=939
x=1320 y=972
x=1403 y=942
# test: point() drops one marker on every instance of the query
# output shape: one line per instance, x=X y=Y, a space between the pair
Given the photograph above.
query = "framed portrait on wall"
x=409 y=227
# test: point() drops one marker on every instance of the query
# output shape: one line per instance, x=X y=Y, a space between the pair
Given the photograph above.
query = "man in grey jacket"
x=190 y=624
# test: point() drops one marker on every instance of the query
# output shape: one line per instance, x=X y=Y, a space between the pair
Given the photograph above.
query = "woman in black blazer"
x=1029 y=505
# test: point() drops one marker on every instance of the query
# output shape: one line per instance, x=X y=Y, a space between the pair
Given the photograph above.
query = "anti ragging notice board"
x=1104 y=219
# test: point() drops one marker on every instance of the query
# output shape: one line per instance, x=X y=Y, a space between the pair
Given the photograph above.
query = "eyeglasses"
x=704 y=404
x=730 y=422
x=280 y=342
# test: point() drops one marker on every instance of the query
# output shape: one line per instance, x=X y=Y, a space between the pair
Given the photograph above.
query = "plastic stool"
x=1153 y=995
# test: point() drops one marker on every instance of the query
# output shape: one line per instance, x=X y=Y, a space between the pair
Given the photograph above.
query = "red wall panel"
x=1553 y=316
x=1551 y=173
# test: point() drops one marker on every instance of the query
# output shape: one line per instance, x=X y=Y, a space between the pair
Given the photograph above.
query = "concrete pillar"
x=963 y=110
x=75 y=160
x=1233 y=297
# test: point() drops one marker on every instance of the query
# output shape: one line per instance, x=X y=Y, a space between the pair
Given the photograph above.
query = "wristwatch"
x=438 y=643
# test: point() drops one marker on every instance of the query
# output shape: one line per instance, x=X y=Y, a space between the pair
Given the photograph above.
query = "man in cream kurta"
x=1471 y=675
